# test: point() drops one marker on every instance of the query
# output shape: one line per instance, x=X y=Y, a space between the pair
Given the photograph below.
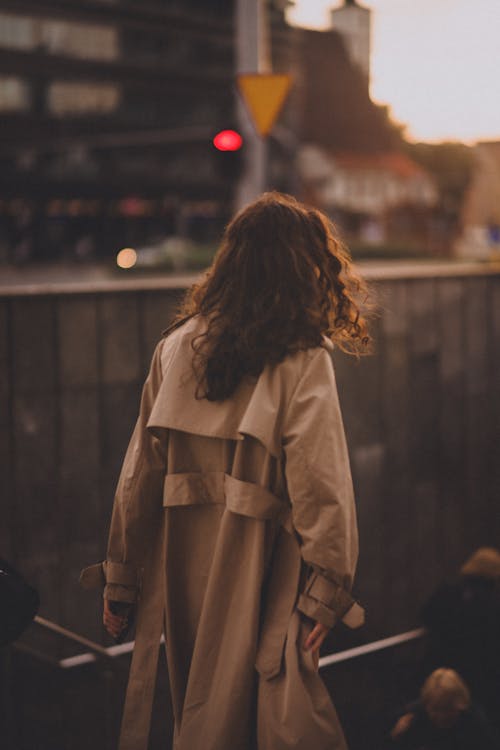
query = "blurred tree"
x=451 y=165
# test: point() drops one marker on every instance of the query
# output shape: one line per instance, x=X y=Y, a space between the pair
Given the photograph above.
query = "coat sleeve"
x=137 y=508
x=319 y=483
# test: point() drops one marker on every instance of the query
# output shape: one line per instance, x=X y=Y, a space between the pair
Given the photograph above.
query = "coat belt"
x=245 y=498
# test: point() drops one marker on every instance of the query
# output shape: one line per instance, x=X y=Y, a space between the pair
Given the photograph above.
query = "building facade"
x=108 y=110
x=480 y=218
x=107 y=114
x=353 y=22
x=375 y=198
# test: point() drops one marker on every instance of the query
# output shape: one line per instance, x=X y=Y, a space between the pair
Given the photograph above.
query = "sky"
x=436 y=63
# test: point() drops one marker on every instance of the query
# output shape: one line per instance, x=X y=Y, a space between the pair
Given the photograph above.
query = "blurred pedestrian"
x=233 y=528
x=463 y=622
x=19 y=603
x=444 y=718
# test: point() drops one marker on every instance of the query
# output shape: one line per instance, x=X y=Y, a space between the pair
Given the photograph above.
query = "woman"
x=233 y=529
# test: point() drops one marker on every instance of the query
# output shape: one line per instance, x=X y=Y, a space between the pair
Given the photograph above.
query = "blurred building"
x=350 y=159
x=480 y=219
x=335 y=106
x=368 y=193
x=108 y=110
x=353 y=22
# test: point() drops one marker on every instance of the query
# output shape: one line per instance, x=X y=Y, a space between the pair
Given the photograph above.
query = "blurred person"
x=233 y=529
x=19 y=603
x=444 y=718
x=463 y=622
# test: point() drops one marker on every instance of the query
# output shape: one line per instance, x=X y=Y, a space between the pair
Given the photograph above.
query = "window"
x=17 y=33
x=85 y=41
x=82 y=98
x=14 y=94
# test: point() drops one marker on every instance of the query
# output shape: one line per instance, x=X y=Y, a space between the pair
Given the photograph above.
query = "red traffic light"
x=228 y=140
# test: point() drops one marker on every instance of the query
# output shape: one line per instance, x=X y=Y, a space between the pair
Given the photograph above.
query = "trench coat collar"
x=256 y=408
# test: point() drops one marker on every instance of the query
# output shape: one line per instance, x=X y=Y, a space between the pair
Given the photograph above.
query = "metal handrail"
x=370 y=648
x=112 y=652
x=97 y=651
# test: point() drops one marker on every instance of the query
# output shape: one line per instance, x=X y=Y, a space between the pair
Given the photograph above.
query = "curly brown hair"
x=280 y=281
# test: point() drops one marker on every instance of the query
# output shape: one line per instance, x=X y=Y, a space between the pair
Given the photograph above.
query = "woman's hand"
x=314 y=641
x=114 y=623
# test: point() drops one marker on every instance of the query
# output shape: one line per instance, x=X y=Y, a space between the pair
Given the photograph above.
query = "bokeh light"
x=228 y=140
x=126 y=258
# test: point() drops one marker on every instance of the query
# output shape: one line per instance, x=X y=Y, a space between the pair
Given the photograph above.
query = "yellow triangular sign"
x=264 y=94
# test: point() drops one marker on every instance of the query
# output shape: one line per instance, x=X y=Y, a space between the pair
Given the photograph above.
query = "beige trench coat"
x=232 y=520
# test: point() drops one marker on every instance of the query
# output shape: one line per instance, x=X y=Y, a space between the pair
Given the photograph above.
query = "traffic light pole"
x=252 y=56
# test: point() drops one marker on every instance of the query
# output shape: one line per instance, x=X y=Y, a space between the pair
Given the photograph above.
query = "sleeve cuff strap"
x=123 y=574
x=327 y=602
x=110 y=573
x=317 y=611
x=117 y=593
x=329 y=593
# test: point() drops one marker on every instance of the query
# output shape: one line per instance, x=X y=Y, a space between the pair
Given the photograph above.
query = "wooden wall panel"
x=479 y=426
x=119 y=339
x=7 y=499
x=478 y=430
x=33 y=336
x=36 y=443
x=452 y=419
x=395 y=377
x=79 y=461
x=359 y=384
x=494 y=318
x=80 y=453
x=494 y=402
x=80 y=494
x=424 y=440
x=158 y=310
x=37 y=516
x=119 y=411
x=421 y=418
x=78 y=341
x=397 y=502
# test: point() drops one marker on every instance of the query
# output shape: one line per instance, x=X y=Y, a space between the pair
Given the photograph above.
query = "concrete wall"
x=421 y=415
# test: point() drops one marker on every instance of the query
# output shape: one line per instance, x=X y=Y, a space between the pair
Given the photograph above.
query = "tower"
x=353 y=22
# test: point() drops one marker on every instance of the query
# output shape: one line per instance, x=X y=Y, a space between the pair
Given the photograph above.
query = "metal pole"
x=252 y=56
x=95 y=647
